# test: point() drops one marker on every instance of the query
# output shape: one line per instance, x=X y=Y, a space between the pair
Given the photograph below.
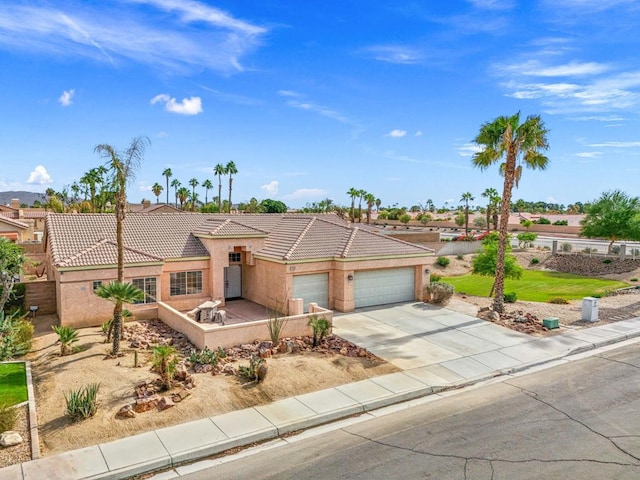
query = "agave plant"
x=66 y=336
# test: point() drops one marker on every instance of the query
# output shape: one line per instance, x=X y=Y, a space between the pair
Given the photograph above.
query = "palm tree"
x=119 y=293
x=371 y=200
x=123 y=166
x=175 y=183
x=491 y=194
x=207 y=186
x=466 y=198
x=517 y=142
x=219 y=170
x=157 y=190
x=194 y=183
x=183 y=193
x=353 y=193
x=231 y=171
x=361 y=195
x=167 y=173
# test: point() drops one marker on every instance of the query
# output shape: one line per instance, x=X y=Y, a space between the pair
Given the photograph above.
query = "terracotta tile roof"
x=88 y=239
x=15 y=223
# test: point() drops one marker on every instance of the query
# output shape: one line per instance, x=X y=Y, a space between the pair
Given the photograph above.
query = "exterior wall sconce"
x=427 y=271
x=349 y=277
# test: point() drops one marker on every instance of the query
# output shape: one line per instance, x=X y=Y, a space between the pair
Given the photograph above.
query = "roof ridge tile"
x=295 y=244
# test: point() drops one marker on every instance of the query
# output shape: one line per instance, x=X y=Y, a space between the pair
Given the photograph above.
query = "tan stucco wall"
x=185 y=302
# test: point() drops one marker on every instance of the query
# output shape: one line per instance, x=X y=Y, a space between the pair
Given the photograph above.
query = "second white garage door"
x=379 y=287
x=312 y=288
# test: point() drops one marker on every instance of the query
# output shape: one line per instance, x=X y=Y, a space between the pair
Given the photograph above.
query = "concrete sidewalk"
x=436 y=348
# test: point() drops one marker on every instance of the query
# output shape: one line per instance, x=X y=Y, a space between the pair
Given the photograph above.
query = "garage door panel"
x=312 y=288
x=380 y=287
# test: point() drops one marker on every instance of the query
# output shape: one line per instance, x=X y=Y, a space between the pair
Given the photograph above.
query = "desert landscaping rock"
x=165 y=402
x=591 y=266
x=145 y=404
x=126 y=412
x=10 y=439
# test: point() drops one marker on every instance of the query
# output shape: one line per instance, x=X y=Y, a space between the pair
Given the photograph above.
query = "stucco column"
x=343 y=282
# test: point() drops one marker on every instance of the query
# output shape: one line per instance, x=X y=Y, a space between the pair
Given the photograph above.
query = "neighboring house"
x=32 y=217
x=147 y=207
x=183 y=259
x=14 y=230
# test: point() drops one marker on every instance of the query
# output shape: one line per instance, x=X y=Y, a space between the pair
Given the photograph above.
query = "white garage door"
x=378 y=287
x=312 y=288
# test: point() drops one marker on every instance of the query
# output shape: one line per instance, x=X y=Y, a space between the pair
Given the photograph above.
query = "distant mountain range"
x=24 y=197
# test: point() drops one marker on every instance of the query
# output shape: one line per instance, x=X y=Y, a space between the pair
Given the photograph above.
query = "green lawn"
x=537 y=285
x=13 y=383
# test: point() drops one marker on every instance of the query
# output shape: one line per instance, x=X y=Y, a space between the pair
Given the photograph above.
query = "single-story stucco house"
x=184 y=259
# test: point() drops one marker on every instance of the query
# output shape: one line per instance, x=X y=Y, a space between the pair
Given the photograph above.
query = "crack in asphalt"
x=533 y=395
x=617 y=361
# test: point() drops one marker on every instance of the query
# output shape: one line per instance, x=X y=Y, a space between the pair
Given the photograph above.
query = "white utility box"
x=590 y=309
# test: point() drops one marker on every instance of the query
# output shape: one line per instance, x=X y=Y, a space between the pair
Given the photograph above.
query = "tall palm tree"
x=370 y=198
x=466 y=198
x=219 y=170
x=361 y=195
x=378 y=203
x=207 y=186
x=157 y=190
x=519 y=143
x=167 y=173
x=353 y=193
x=183 y=193
x=122 y=166
x=175 y=183
x=119 y=293
x=491 y=194
x=231 y=171
x=194 y=183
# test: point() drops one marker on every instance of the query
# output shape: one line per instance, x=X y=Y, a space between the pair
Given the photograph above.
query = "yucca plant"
x=83 y=402
x=165 y=362
x=276 y=322
x=321 y=328
x=66 y=336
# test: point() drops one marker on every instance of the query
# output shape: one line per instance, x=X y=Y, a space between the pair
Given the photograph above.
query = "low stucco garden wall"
x=214 y=335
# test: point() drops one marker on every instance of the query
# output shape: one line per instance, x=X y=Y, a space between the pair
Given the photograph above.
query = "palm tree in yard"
x=466 y=198
x=219 y=170
x=207 y=186
x=371 y=200
x=167 y=174
x=353 y=193
x=194 y=183
x=183 y=193
x=491 y=194
x=157 y=190
x=361 y=195
x=119 y=293
x=122 y=166
x=175 y=183
x=518 y=143
x=231 y=171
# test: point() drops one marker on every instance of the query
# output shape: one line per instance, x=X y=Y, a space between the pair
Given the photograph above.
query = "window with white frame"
x=185 y=283
x=148 y=286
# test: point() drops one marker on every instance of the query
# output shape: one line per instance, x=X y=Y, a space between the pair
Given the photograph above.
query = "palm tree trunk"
x=219 y=194
x=488 y=218
x=230 y=187
x=466 y=221
x=117 y=327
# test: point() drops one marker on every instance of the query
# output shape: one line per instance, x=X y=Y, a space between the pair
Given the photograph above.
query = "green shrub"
x=16 y=335
x=589 y=250
x=526 y=239
x=511 y=297
x=443 y=261
x=165 y=362
x=434 y=277
x=615 y=249
x=321 y=328
x=566 y=247
x=16 y=299
x=83 y=402
x=66 y=336
x=221 y=352
x=634 y=279
x=251 y=371
x=607 y=260
x=561 y=222
x=8 y=417
x=559 y=301
x=543 y=221
x=535 y=261
x=439 y=293
x=204 y=357
x=460 y=256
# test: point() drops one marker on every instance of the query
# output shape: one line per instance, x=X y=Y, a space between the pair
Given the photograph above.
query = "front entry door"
x=233 y=281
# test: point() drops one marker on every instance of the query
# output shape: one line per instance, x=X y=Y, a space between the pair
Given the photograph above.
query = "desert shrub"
x=8 y=417
x=443 y=261
x=204 y=357
x=535 y=261
x=83 y=402
x=561 y=222
x=543 y=221
x=634 y=279
x=559 y=301
x=566 y=247
x=589 y=250
x=510 y=297
x=276 y=323
x=165 y=361
x=221 y=352
x=434 y=277
x=405 y=218
x=439 y=293
x=526 y=239
x=16 y=335
x=615 y=249
x=607 y=260
x=255 y=371
x=321 y=328
x=480 y=222
x=66 y=336
x=16 y=299
x=460 y=256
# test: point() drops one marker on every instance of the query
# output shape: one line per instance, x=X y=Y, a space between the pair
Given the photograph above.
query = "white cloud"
x=167 y=34
x=270 y=188
x=468 y=149
x=492 y=4
x=588 y=154
x=395 y=54
x=616 y=144
x=396 y=133
x=66 y=98
x=535 y=68
x=188 y=106
x=288 y=93
x=306 y=193
x=418 y=133
x=39 y=176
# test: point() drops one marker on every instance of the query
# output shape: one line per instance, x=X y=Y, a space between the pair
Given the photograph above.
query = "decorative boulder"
x=10 y=438
x=126 y=412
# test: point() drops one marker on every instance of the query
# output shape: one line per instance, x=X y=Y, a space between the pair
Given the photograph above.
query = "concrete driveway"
x=433 y=341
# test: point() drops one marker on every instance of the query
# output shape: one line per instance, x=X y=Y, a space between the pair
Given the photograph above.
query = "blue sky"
x=312 y=98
